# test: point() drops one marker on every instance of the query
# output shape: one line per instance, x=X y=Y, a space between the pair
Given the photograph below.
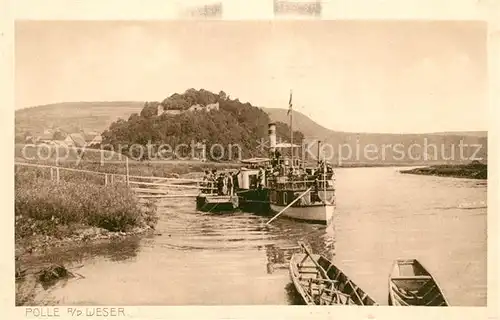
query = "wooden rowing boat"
x=320 y=282
x=216 y=203
x=410 y=284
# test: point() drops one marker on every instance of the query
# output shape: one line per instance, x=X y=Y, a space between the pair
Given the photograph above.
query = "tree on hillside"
x=283 y=131
x=150 y=109
x=222 y=96
x=59 y=135
x=235 y=125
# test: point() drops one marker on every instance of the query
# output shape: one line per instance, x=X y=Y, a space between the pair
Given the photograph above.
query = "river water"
x=236 y=259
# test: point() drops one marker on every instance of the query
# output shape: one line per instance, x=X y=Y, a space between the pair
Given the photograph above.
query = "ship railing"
x=208 y=187
x=302 y=184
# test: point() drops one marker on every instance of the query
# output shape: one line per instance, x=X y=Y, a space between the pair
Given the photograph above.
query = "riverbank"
x=56 y=216
x=474 y=170
x=43 y=261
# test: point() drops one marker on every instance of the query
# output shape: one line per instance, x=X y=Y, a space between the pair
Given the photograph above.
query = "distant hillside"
x=98 y=116
x=74 y=116
x=394 y=144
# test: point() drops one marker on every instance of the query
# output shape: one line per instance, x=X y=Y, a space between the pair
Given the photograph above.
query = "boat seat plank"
x=325 y=280
x=411 y=278
x=337 y=292
x=306 y=267
x=302 y=261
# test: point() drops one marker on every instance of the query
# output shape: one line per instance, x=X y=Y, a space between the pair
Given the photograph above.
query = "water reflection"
x=319 y=239
x=118 y=250
x=278 y=258
x=420 y=217
x=293 y=297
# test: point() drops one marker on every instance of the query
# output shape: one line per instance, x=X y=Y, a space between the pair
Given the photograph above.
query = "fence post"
x=105 y=179
x=112 y=179
x=51 y=174
x=57 y=174
x=126 y=162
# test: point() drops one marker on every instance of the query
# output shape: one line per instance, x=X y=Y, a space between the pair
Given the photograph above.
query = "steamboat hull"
x=320 y=214
x=256 y=201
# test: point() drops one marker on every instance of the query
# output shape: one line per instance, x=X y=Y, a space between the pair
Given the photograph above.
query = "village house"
x=78 y=140
x=92 y=139
x=46 y=137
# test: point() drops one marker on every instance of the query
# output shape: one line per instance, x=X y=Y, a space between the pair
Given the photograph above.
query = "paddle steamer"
x=304 y=192
x=287 y=185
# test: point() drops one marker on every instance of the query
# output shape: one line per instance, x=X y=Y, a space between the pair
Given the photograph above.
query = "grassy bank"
x=79 y=209
x=47 y=211
x=474 y=170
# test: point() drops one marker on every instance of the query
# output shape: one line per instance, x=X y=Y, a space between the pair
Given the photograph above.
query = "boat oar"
x=288 y=206
x=320 y=269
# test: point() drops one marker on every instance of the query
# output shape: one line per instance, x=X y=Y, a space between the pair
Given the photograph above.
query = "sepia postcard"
x=239 y=159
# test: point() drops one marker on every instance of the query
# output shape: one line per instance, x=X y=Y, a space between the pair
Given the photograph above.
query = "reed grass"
x=45 y=207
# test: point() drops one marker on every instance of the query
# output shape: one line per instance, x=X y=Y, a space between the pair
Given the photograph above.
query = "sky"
x=362 y=76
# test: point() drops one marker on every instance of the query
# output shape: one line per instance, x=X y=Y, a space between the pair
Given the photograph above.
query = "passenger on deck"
x=224 y=184
x=275 y=160
x=230 y=183
x=282 y=169
x=321 y=165
x=260 y=178
x=220 y=184
x=329 y=171
x=206 y=182
x=235 y=180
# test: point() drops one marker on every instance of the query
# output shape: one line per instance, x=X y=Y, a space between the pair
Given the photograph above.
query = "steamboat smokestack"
x=272 y=137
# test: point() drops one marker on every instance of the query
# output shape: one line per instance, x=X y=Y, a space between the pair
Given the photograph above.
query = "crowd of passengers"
x=222 y=183
x=225 y=182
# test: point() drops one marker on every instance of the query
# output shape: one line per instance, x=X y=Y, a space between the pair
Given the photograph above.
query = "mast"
x=324 y=177
x=290 y=113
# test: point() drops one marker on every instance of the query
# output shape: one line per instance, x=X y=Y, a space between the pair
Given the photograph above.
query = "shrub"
x=46 y=207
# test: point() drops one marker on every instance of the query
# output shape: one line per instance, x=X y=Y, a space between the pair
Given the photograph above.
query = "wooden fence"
x=144 y=186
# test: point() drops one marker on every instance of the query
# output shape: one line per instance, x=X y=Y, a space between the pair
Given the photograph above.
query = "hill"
x=440 y=147
x=98 y=116
x=228 y=128
x=74 y=116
